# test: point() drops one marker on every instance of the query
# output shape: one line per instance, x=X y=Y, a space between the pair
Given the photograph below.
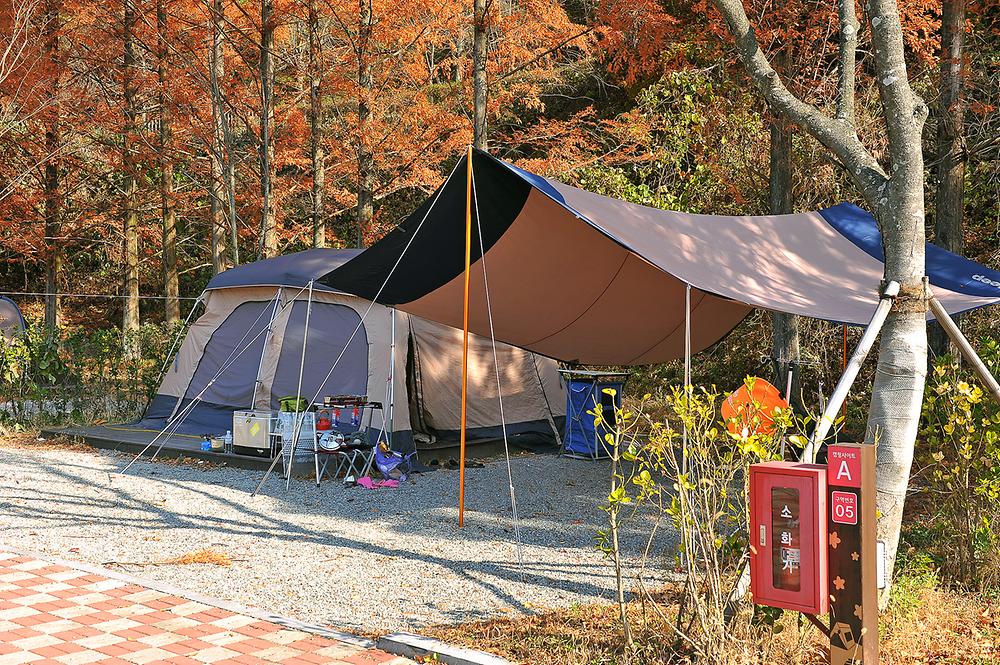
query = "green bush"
x=959 y=462
x=688 y=466
x=80 y=375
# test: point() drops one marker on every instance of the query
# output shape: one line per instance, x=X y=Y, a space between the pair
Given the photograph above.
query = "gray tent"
x=11 y=321
x=253 y=326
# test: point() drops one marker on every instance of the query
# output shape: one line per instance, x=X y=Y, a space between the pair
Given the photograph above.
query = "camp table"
x=351 y=460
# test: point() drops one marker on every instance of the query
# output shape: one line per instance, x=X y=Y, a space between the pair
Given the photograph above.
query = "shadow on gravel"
x=557 y=500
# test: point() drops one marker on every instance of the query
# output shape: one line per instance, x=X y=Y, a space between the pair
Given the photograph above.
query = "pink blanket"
x=370 y=484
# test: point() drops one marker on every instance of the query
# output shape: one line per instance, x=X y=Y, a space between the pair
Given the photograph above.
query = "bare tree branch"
x=840 y=139
x=848 y=62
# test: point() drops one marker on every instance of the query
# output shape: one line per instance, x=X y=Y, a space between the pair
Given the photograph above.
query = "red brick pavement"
x=52 y=614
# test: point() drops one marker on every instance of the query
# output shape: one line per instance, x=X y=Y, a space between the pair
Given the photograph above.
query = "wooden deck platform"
x=118 y=437
x=128 y=440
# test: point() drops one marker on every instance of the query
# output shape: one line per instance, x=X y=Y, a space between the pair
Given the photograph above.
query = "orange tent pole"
x=465 y=339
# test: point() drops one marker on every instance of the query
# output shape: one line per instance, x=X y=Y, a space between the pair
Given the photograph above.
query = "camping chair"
x=388 y=460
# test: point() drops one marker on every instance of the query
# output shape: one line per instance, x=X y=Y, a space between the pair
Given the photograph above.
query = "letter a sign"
x=843 y=467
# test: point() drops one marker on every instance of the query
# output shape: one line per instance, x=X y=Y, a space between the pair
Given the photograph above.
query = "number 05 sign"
x=844 y=507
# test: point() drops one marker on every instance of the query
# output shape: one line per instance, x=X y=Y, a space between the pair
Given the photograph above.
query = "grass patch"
x=923 y=624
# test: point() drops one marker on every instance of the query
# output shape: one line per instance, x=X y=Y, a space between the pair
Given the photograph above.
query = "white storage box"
x=252 y=432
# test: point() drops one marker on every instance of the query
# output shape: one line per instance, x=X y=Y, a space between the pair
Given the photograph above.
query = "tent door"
x=414 y=395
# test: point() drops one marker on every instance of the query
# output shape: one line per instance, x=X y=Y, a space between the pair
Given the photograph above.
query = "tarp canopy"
x=590 y=279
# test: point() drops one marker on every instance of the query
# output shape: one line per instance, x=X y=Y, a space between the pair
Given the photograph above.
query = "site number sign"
x=844 y=507
x=843 y=467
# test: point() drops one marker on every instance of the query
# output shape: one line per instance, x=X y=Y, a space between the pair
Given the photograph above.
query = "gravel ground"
x=353 y=558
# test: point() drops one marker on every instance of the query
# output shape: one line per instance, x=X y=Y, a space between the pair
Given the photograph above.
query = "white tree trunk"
x=895 y=193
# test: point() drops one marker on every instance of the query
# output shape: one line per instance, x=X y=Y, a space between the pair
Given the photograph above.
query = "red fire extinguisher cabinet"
x=788 y=536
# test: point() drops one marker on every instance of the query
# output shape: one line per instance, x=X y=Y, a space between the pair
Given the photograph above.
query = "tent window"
x=330 y=328
x=229 y=346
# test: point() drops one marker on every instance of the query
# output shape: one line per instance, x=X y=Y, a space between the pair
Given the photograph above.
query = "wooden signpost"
x=853 y=555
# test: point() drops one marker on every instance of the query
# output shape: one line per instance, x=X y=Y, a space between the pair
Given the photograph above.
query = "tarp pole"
x=960 y=340
x=392 y=379
x=687 y=369
x=465 y=339
x=840 y=392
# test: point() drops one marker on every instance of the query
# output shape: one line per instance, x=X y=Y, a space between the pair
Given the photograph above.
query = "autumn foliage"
x=634 y=98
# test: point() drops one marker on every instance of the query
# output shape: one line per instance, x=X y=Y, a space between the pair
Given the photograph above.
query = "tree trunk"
x=894 y=413
x=458 y=67
x=949 y=206
x=171 y=287
x=217 y=152
x=53 y=196
x=316 y=128
x=130 y=321
x=784 y=327
x=366 y=160
x=268 y=231
x=479 y=86
x=896 y=197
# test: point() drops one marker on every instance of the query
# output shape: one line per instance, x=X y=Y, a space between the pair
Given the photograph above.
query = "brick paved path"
x=59 y=615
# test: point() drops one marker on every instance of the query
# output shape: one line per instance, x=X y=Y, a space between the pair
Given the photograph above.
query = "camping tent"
x=582 y=277
x=253 y=327
x=11 y=321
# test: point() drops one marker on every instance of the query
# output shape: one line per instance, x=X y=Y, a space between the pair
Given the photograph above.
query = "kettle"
x=323 y=421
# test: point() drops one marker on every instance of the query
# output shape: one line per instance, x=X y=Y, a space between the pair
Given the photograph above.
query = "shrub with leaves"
x=80 y=374
x=690 y=467
x=960 y=460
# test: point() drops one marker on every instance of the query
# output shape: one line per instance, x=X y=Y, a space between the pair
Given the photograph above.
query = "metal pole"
x=465 y=340
x=177 y=337
x=960 y=340
x=392 y=379
x=843 y=387
x=297 y=427
x=687 y=371
x=263 y=351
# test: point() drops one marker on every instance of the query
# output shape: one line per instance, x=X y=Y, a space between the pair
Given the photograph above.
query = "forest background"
x=148 y=144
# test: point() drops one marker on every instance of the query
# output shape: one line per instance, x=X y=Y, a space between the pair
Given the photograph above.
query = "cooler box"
x=252 y=432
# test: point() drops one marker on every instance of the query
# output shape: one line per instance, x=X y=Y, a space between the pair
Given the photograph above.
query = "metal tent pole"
x=960 y=340
x=687 y=370
x=263 y=351
x=840 y=392
x=177 y=337
x=392 y=379
x=297 y=427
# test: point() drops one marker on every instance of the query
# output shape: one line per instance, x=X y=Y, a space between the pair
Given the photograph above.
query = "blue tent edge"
x=24 y=323
x=944 y=269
